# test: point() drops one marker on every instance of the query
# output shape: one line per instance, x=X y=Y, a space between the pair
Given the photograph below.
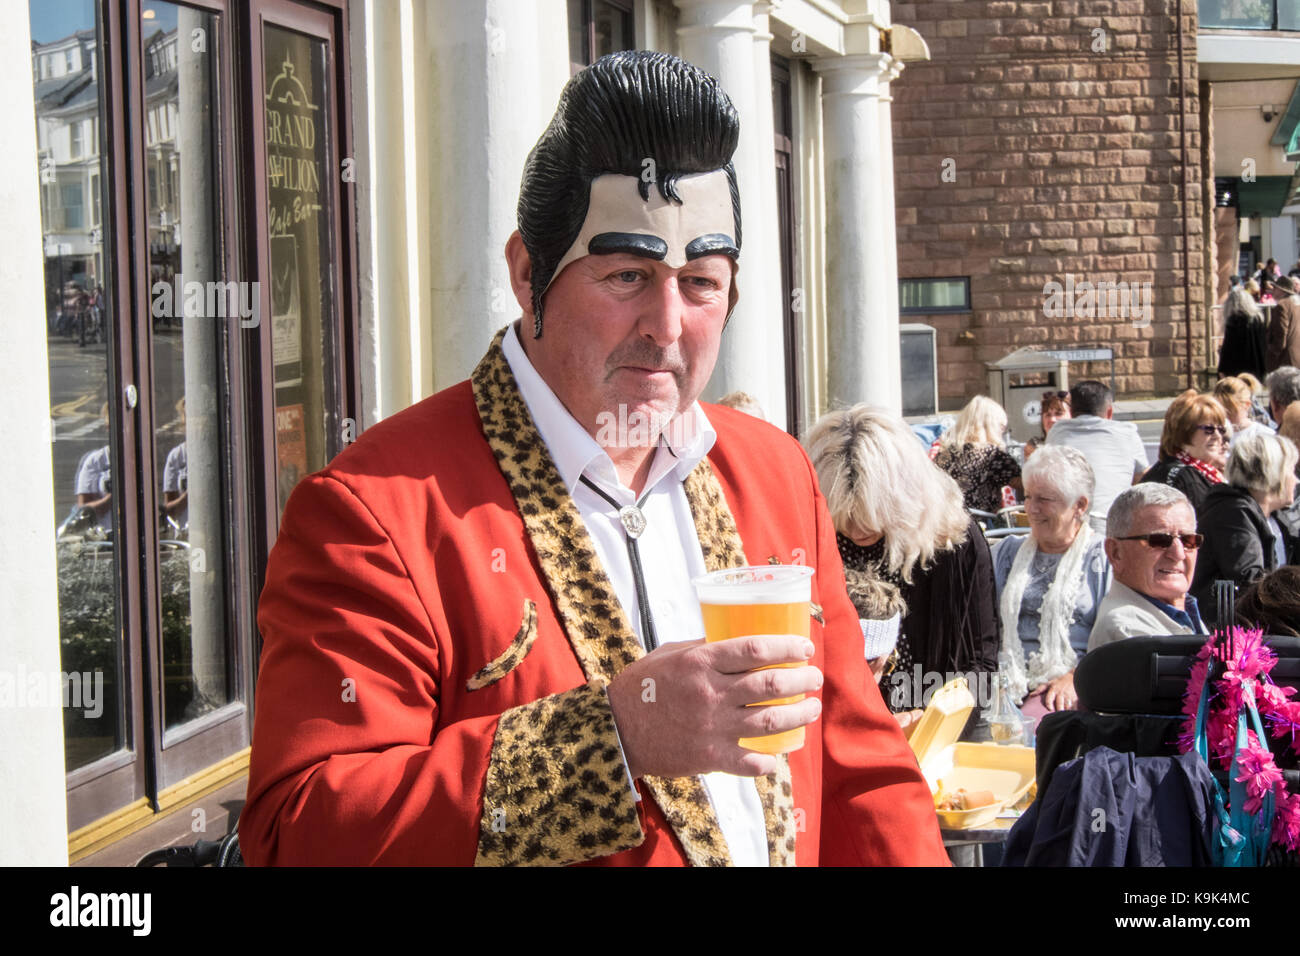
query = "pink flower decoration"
x=1284 y=721
x=1259 y=774
x=1286 y=822
x=1247 y=661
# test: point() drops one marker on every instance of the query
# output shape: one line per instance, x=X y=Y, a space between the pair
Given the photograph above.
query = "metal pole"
x=1182 y=136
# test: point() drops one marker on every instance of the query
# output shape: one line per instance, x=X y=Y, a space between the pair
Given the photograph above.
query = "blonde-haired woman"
x=973 y=452
x=1243 y=538
x=901 y=520
x=1245 y=335
x=1237 y=400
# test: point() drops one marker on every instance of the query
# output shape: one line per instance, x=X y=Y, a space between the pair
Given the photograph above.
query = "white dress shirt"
x=670 y=553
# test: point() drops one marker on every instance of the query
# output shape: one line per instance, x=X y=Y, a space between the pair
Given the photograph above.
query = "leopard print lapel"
x=590 y=612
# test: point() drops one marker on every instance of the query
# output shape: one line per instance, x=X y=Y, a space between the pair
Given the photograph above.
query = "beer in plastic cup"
x=765 y=601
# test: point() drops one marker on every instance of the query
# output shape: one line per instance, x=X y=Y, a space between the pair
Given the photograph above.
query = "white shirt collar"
x=576 y=452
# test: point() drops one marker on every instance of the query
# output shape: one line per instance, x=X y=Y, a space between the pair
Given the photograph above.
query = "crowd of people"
x=1109 y=544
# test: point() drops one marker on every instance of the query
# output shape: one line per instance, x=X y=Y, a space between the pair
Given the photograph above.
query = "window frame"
x=328 y=22
x=587 y=14
x=152 y=758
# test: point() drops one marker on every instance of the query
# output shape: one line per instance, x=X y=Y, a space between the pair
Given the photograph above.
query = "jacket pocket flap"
x=511 y=657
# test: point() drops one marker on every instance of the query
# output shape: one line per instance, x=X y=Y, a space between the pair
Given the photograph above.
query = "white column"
x=766 y=236
x=890 y=221
x=490 y=72
x=33 y=809
x=862 y=332
x=719 y=36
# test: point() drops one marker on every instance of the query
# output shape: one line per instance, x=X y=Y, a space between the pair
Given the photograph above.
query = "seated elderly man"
x=1151 y=541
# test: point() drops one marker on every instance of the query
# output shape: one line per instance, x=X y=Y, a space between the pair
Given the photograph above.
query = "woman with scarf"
x=1050 y=582
x=900 y=525
x=1193 y=447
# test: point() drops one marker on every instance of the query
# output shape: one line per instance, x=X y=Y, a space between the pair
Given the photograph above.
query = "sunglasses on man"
x=1161 y=540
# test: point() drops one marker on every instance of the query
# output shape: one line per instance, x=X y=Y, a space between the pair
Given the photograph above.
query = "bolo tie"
x=634 y=524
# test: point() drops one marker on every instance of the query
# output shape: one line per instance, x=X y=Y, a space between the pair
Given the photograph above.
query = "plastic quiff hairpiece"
x=627 y=113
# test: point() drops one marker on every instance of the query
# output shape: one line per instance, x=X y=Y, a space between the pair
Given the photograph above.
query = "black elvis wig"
x=624 y=109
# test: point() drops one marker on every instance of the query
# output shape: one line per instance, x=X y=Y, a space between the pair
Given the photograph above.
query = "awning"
x=1264 y=197
x=1287 y=132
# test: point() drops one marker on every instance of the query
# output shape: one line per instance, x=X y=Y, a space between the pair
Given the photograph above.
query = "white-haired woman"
x=1245 y=333
x=900 y=520
x=973 y=452
x=1050 y=582
x=1243 y=540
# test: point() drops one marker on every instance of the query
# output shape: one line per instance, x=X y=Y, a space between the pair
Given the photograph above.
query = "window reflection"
x=79 y=320
x=190 y=322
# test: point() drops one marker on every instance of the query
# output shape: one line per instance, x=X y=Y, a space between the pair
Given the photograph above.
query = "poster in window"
x=291 y=447
x=286 y=312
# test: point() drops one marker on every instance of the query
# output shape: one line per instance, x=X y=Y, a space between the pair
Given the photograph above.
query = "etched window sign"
x=299 y=219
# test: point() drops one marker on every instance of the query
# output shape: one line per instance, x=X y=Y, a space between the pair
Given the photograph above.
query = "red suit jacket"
x=438 y=634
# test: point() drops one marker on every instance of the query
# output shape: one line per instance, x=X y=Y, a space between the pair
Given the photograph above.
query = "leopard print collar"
x=593 y=618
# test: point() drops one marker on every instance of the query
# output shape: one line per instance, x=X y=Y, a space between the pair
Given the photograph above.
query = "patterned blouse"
x=980 y=471
x=872 y=558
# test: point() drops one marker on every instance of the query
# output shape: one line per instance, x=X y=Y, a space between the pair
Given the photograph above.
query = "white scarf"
x=1055 y=655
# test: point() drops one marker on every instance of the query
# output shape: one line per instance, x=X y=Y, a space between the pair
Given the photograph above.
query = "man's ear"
x=520 y=265
x=1112 y=550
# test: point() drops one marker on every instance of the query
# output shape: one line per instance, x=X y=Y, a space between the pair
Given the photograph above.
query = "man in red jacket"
x=481 y=641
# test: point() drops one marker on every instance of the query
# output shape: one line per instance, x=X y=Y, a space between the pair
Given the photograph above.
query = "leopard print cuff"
x=557 y=790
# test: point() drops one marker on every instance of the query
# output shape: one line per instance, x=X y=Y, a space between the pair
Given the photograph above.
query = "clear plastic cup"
x=765 y=600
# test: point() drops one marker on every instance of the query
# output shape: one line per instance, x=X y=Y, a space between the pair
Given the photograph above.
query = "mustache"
x=648 y=355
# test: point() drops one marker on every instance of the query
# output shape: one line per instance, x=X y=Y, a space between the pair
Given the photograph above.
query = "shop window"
x=168 y=391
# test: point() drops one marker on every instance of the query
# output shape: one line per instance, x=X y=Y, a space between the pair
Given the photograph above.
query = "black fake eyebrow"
x=712 y=244
x=631 y=243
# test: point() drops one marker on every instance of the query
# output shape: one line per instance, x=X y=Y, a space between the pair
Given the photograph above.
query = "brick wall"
x=1066 y=161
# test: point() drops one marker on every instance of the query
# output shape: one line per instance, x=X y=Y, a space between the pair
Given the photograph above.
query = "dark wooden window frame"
x=328 y=22
x=120 y=778
x=153 y=759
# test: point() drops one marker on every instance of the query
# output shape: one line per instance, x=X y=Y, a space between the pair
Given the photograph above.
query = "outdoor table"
x=966 y=847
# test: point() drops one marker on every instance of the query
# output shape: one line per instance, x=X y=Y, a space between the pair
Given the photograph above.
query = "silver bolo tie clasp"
x=633 y=520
